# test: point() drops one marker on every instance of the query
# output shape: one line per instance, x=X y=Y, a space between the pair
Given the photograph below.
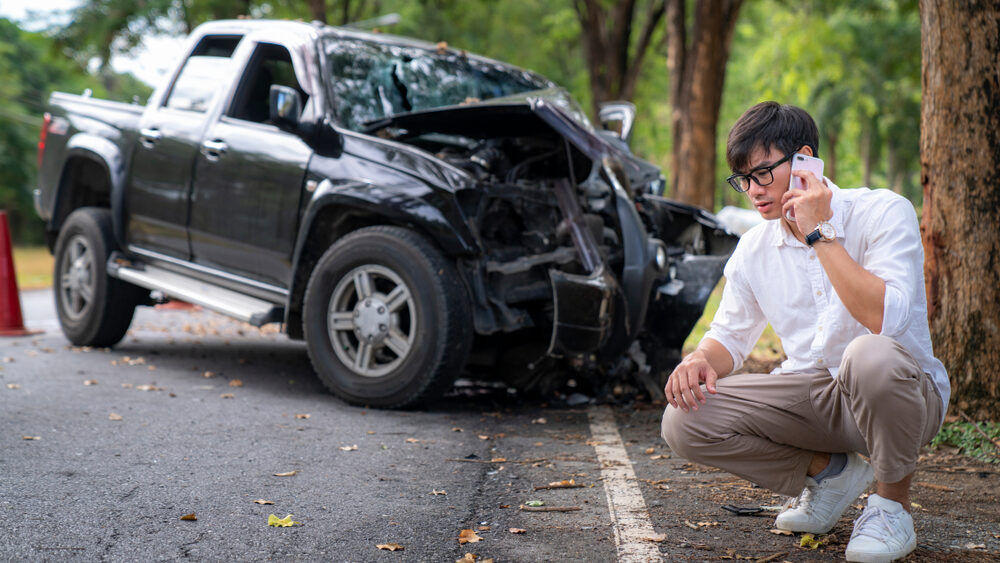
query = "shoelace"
x=802 y=500
x=875 y=523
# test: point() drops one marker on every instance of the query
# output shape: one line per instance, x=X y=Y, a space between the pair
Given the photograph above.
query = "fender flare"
x=109 y=157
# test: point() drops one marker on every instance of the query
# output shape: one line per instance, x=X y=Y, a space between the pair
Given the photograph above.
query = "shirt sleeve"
x=739 y=321
x=895 y=254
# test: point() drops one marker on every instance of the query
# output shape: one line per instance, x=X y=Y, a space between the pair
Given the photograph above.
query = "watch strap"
x=813 y=237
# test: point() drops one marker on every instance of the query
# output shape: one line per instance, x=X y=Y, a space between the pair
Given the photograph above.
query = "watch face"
x=826 y=231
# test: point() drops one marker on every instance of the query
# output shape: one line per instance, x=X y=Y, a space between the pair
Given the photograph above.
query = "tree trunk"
x=613 y=64
x=830 y=156
x=697 y=72
x=317 y=10
x=959 y=156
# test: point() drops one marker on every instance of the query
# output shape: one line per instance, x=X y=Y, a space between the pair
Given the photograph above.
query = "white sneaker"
x=883 y=532
x=819 y=505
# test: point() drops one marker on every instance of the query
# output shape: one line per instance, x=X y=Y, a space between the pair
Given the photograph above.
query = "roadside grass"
x=33 y=265
x=767 y=349
x=971 y=442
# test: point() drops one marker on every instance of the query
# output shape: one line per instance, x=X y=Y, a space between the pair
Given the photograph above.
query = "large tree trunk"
x=613 y=63
x=960 y=174
x=697 y=73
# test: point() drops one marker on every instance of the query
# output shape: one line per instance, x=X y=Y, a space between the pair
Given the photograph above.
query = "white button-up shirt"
x=773 y=278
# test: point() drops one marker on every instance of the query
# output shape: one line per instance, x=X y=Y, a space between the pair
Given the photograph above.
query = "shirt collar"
x=781 y=236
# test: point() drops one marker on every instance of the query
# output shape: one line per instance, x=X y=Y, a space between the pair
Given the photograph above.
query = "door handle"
x=213 y=150
x=149 y=136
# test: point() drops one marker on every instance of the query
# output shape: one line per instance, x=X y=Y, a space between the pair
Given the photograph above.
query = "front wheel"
x=387 y=319
x=94 y=309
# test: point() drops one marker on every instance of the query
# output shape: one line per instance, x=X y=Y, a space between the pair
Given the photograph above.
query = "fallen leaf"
x=539 y=421
x=226 y=396
x=468 y=536
x=457 y=429
x=8 y=360
x=539 y=443
x=498 y=459
x=517 y=530
x=594 y=443
x=302 y=416
x=468 y=558
x=659 y=456
x=915 y=505
x=349 y=448
x=439 y=492
x=563 y=483
x=971 y=545
x=189 y=517
x=236 y=383
x=534 y=503
x=809 y=541
x=286 y=474
x=114 y=416
x=412 y=441
x=31 y=438
x=690 y=524
x=13 y=386
x=707 y=524
x=127 y=386
x=935 y=487
x=208 y=374
x=390 y=546
x=650 y=451
x=148 y=388
x=90 y=382
x=778 y=532
x=655 y=538
x=481 y=437
x=484 y=528
x=262 y=501
x=285 y=522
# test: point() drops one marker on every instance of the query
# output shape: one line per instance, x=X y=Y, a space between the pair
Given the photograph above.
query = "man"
x=842 y=285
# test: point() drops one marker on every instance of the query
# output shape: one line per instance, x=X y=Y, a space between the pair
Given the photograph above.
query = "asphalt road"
x=103 y=451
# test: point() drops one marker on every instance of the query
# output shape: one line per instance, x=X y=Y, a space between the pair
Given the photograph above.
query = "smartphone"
x=803 y=162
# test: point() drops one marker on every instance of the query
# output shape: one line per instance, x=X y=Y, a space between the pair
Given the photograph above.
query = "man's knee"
x=871 y=362
x=678 y=431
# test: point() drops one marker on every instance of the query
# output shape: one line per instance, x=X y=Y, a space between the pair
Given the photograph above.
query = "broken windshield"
x=371 y=81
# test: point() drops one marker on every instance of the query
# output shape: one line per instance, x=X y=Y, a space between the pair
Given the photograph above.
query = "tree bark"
x=613 y=63
x=317 y=10
x=960 y=175
x=697 y=72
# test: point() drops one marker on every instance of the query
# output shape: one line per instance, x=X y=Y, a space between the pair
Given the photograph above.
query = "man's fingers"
x=710 y=378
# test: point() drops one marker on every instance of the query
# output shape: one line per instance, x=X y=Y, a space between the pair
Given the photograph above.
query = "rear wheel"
x=387 y=318
x=94 y=309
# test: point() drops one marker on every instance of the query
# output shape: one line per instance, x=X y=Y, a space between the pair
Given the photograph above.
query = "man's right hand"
x=683 y=389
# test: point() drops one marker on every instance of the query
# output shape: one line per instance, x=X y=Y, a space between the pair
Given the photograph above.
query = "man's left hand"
x=811 y=205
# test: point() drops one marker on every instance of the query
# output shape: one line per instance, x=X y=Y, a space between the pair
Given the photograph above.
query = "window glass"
x=205 y=74
x=270 y=65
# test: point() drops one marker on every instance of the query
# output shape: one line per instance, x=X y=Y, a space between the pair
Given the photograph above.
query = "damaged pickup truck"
x=411 y=211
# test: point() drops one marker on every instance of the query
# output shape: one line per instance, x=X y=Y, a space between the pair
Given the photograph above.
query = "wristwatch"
x=824 y=231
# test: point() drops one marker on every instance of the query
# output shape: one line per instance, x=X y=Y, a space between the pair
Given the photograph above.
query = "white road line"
x=629 y=516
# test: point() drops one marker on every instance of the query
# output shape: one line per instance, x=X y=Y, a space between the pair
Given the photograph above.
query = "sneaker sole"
x=859 y=487
x=864 y=557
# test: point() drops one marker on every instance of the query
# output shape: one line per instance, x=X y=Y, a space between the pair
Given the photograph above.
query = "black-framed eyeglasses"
x=763 y=176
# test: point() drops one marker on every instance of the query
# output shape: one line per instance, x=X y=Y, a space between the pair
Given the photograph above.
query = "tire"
x=387 y=319
x=94 y=309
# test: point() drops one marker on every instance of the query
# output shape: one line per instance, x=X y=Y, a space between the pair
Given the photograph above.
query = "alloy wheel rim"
x=77 y=280
x=372 y=320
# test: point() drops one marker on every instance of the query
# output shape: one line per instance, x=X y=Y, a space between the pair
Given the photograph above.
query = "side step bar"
x=219 y=299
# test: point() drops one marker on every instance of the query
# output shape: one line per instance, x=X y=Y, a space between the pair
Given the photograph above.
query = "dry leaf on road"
x=90 y=382
x=286 y=474
x=302 y=416
x=390 y=546
x=349 y=448
x=114 y=416
x=517 y=530
x=13 y=386
x=412 y=441
x=31 y=438
x=189 y=517
x=778 y=532
x=655 y=538
x=226 y=396
x=439 y=492
x=468 y=536
x=262 y=501
x=539 y=421
x=236 y=383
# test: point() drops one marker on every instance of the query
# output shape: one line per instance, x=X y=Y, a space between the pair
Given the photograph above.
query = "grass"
x=33 y=266
x=767 y=348
x=970 y=442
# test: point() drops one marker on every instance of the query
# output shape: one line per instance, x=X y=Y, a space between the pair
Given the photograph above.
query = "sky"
x=149 y=62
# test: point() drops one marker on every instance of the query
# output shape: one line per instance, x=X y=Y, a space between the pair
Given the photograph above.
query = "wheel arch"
x=92 y=175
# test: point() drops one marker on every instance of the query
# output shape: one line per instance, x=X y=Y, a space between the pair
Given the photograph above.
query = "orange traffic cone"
x=11 y=322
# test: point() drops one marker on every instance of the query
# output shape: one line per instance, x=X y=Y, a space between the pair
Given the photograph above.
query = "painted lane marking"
x=629 y=516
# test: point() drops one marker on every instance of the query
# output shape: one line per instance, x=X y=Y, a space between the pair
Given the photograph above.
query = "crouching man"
x=842 y=284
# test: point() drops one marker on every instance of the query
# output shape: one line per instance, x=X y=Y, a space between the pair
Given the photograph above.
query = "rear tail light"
x=46 y=120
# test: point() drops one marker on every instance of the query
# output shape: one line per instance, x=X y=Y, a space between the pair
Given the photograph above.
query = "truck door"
x=170 y=134
x=248 y=179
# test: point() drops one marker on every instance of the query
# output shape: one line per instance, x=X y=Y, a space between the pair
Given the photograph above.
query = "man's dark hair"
x=770 y=125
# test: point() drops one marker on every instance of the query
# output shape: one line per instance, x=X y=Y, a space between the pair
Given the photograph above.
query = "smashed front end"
x=583 y=272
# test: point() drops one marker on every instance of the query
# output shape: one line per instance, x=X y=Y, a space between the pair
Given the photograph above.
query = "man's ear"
x=806 y=150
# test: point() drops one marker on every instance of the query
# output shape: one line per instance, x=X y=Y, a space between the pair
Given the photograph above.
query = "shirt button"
x=819 y=328
x=812 y=256
x=819 y=292
x=820 y=361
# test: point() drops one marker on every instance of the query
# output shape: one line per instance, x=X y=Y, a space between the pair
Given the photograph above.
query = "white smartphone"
x=803 y=162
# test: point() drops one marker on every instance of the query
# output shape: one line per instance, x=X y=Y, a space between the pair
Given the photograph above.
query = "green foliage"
x=963 y=436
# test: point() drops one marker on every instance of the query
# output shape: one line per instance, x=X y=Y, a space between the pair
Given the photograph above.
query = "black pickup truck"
x=412 y=211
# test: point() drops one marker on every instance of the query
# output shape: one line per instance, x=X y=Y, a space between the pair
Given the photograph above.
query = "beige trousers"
x=766 y=428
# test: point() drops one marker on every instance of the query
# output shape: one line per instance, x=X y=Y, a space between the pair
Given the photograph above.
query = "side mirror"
x=618 y=117
x=285 y=106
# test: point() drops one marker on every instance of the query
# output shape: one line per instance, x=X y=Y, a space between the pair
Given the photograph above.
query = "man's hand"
x=683 y=389
x=811 y=205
